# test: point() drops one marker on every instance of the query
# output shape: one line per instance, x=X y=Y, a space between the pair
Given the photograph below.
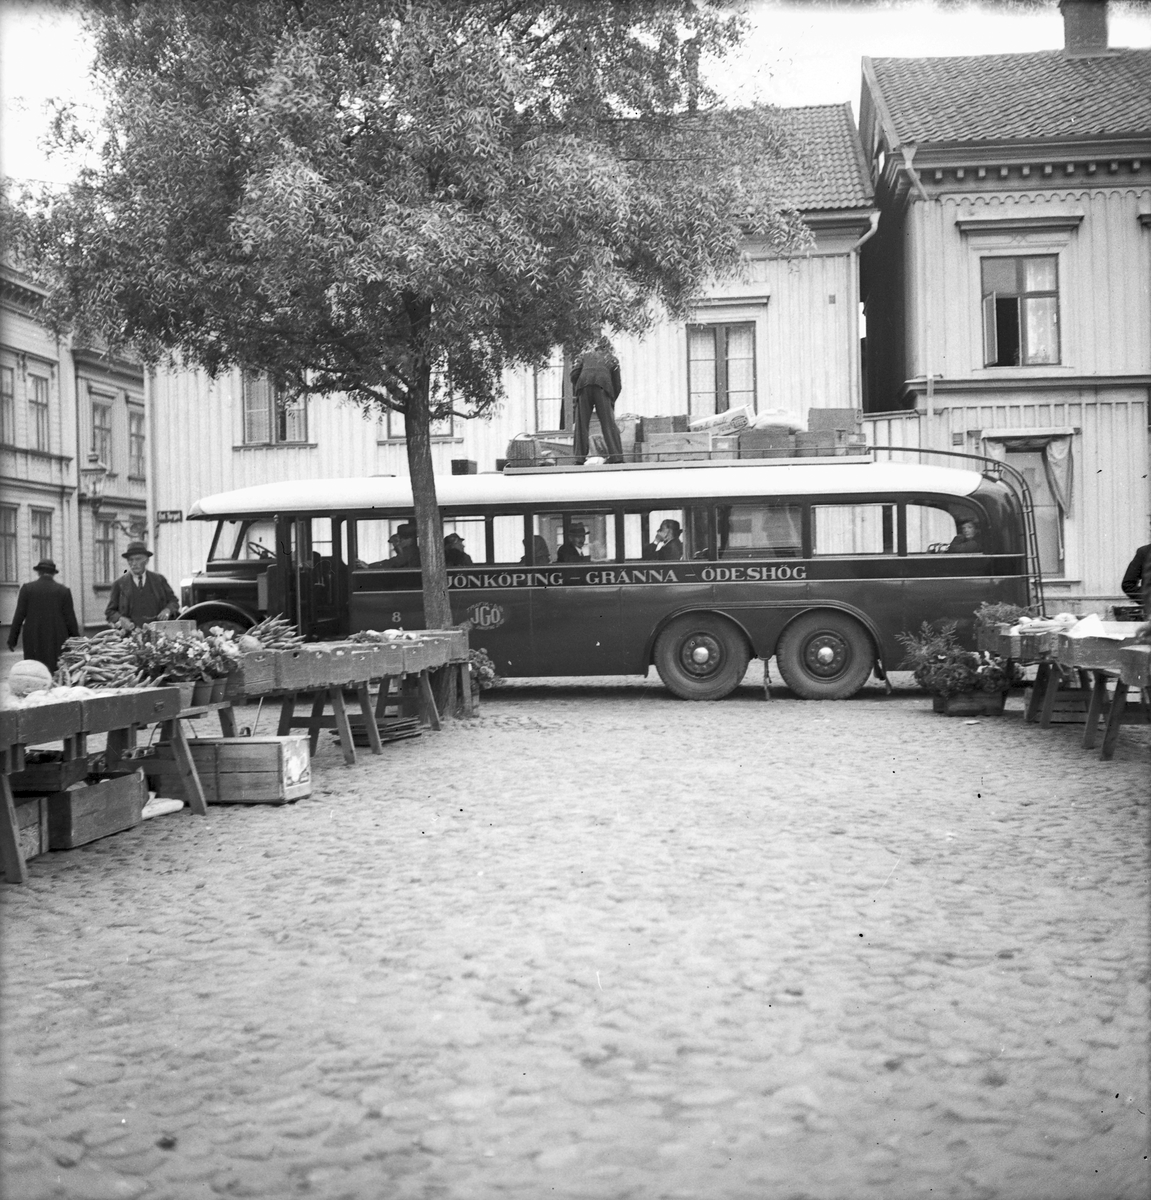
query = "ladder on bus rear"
x=1022 y=490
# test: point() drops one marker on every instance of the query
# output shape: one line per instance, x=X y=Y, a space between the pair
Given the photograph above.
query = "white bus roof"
x=592 y=486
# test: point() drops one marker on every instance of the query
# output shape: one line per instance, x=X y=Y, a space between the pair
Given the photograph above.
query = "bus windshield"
x=244 y=541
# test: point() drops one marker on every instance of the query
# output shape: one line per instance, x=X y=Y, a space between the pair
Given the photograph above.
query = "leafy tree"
x=396 y=200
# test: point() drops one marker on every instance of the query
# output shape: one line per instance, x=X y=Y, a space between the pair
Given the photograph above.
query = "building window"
x=720 y=367
x=270 y=417
x=137 y=466
x=8 y=543
x=102 y=432
x=548 y=392
x=41 y=533
x=395 y=429
x=106 y=565
x=1020 y=311
x=38 y=413
x=7 y=406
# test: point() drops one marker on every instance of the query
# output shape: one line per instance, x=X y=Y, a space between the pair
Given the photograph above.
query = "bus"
x=820 y=563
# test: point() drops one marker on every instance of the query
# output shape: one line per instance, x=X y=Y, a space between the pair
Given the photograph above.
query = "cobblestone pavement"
x=600 y=943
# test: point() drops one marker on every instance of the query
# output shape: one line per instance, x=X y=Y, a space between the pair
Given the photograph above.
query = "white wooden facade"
x=956 y=196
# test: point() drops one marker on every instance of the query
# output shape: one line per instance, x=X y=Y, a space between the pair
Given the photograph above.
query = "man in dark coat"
x=45 y=613
x=571 y=550
x=139 y=595
x=1137 y=579
x=596 y=383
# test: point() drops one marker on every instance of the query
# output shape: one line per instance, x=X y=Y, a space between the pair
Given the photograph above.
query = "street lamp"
x=92 y=480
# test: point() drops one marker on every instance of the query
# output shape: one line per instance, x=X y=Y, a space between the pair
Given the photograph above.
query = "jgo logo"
x=486 y=616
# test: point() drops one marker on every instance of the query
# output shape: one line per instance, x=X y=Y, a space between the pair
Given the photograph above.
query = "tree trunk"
x=429 y=527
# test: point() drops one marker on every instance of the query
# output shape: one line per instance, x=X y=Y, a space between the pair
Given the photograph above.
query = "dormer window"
x=1020 y=311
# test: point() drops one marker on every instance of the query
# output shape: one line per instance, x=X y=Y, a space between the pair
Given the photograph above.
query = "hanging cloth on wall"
x=1056 y=451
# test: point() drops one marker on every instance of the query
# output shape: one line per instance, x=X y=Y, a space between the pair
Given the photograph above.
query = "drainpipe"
x=150 y=434
x=873 y=221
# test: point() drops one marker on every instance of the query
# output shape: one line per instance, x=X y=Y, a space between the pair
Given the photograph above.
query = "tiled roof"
x=1012 y=97
x=834 y=173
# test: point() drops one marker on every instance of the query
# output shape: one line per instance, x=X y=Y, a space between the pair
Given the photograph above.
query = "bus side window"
x=852 y=529
x=372 y=546
x=507 y=539
x=640 y=530
x=698 y=542
x=932 y=528
x=471 y=529
x=566 y=543
x=760 y=530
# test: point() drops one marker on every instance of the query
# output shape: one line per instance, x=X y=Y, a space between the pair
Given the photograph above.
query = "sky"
x=798 y=53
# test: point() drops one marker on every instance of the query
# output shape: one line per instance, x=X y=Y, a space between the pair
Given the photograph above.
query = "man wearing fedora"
x=45 y=614
x=139 y=595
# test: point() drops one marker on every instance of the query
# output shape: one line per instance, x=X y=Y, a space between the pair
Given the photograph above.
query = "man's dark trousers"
x=597 y=398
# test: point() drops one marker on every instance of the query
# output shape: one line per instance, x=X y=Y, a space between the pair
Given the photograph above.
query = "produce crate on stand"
x=48 y=774
x=302 y=669
x=85 y=812
x=387 y=659
x=248 y=770
x=49 y=723
x=255 y=674
x=145 y=707
x=419 y=656
x=456 y=641
x=32 y=825
x=174 y=628
x=1097 y=653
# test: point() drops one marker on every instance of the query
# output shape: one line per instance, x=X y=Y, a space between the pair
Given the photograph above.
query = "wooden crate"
x=387 y=658
x=48 y=723
x=302 y=669
x=32 y=825
x=147 y=706
x=9 y=727
x=455 y=640
x=42 y=778
x=255 y=674
x=675 y=447
x=83 y=813
x=1098 y=653
x=251 y=770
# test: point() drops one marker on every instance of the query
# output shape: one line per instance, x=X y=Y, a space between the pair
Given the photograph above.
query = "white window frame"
x=267 y=419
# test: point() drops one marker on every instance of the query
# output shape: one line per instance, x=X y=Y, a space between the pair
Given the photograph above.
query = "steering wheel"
x=260 y=551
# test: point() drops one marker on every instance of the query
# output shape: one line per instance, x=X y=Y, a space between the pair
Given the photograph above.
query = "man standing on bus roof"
x=139 y=595
x=596 y=383
x=572 y=548
x=408 y=553
x=667 y=546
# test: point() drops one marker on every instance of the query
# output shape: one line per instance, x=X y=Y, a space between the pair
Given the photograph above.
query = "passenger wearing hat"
x=454 y=553
x=45 y=613
x=407 y=554
x=139 y=595
x=572 y=548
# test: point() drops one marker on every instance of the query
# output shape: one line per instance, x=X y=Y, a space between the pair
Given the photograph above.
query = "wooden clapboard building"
x=1008 y=289
x=785 y=337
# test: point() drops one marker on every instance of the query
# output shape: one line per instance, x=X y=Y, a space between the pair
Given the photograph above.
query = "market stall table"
x=71 y=722
x=1101 y=657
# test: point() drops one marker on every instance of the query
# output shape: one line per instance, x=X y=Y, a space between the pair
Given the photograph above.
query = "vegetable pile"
x=106 y=660
x=273 y=633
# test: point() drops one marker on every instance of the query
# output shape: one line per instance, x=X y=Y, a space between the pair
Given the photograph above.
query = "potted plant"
x=961 y=682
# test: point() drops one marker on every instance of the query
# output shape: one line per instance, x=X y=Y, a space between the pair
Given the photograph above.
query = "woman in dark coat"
x=45 y=614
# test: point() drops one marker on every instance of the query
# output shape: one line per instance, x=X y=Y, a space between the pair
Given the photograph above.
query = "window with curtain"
x=107 y=568
x=1045 y=462
x=137 y=462
x=1020 y=310
x=102 y=430
x=41 y=533
x=548 y=391
x=39 y=423
x=720 y=367
x=8 y=406
x=8 y=566
x=270 y=416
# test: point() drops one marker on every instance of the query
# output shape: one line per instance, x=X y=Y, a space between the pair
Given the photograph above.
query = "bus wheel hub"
x=826 y=655
x=701 y=654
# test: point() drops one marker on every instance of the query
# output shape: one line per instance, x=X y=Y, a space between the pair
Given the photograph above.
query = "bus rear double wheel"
x=825 y=655
x=701 y=657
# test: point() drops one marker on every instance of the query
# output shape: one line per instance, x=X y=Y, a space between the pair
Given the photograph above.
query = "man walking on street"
x=45 y=613
x=139 y=595
x=596 y=383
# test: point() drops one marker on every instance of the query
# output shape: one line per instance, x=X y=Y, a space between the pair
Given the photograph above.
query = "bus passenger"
x=572 y=548
x=408 y=553
x=536 y=551
x=966 y=541
x=454 y=553
x=667 y=545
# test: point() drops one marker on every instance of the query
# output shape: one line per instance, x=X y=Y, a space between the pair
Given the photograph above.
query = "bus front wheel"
x=825 y=656
x=701 y=657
